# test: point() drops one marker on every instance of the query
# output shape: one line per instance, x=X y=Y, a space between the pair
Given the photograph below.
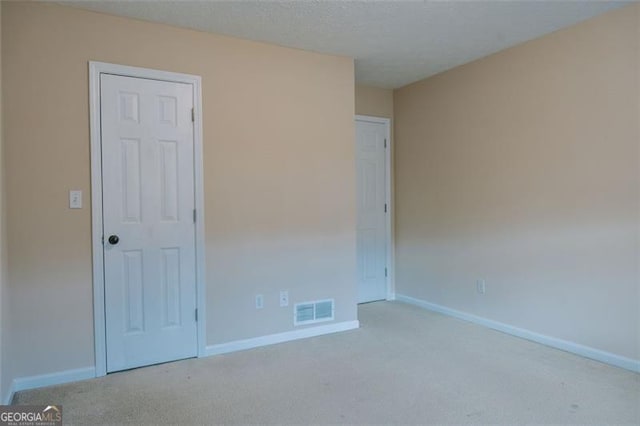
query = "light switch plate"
x=75 y=199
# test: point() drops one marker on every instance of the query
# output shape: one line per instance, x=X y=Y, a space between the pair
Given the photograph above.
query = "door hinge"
x=385 y=143
x=196 y=314
x=193 y=115
x=385 y=207
x=194 y=215
x=385 y=271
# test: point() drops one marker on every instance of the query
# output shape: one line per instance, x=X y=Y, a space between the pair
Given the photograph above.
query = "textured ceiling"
x=394 y=43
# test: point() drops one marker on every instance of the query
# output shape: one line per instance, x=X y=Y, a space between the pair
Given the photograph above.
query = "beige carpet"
x=405 y=365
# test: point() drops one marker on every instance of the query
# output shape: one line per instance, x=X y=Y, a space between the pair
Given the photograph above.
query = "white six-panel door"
x=371 y=210
x=148 y=218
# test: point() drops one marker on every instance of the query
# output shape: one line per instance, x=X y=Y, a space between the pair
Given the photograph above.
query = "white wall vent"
x=312 y=312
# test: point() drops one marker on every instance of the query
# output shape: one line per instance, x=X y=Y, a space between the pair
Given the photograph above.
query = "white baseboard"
x=565 y=345
x=271 y=339
x=32 y=382
x=9 y=397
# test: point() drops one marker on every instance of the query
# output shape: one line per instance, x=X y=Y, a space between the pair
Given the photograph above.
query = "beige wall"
x=374 y=101
x=279 y=175
x=4 y=378
x=522 y=169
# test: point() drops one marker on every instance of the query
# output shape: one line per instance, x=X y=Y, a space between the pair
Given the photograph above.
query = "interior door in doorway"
x=147 y=145
x=371 y=210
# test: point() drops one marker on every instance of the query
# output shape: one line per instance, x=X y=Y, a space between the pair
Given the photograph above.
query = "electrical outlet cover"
x=481 y=287
x=284 y=298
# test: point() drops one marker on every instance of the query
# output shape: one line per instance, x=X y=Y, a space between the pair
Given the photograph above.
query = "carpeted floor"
x=404 y=365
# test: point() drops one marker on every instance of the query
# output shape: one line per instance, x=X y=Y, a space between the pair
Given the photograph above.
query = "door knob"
x=114 y=239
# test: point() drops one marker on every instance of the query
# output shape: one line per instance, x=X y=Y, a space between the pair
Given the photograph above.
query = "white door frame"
x=388 y=178
x=95 y=69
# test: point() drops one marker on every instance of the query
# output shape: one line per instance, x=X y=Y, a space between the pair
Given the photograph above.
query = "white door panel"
x=148 y=202
x=371 y=211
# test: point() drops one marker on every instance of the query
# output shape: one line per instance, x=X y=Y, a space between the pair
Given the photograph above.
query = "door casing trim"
x=95 y=69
